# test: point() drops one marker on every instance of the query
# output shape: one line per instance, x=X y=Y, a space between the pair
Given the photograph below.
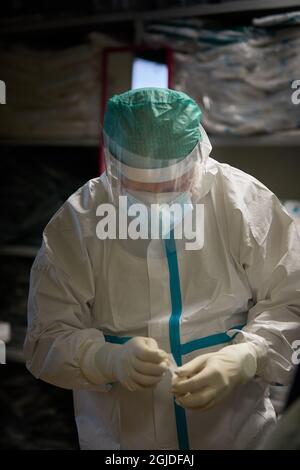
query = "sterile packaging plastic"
x=53 y=94
x=242 y=76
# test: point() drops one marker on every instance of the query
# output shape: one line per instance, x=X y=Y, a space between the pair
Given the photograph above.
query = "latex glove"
x=137 y=364
x=208 y=379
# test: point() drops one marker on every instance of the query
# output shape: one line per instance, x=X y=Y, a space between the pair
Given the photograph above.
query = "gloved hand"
x=208 y=379
x=137 y=364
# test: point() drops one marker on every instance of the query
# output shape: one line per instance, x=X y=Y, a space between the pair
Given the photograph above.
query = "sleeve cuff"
x=88 y=365
x=258 y=344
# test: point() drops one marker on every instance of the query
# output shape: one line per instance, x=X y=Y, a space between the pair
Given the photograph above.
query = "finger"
x=147 y=354
x=196 y=400
x=176 y=379
x=144 y=380
x=193 y=384
x=175 y=382
x=132 y=386
x=151 y=343
x=192 y=367
x=210 y=405
x=148 y=368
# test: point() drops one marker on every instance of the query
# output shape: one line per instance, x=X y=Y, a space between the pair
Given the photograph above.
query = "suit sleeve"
x=60 y=304
x=267 y=249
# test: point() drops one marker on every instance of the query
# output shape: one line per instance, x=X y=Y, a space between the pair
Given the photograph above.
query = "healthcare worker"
x=109 y=317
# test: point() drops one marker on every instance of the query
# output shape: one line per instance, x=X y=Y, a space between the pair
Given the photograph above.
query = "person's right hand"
x=137 y=364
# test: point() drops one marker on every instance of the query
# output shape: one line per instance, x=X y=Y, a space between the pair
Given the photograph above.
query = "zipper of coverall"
x=174 y=334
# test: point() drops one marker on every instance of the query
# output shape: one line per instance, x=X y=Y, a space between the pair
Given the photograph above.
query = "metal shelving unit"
x=66 y=142
x=290 y=139
x=14 y=354
x=242 y=6
x=287 y=139
x=14 y=348
x=23 y=251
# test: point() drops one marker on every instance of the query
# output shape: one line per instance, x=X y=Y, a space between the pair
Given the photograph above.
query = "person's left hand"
x=208 y=379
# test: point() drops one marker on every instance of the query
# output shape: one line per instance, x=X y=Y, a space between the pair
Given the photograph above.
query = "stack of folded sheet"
x=242 y=76
x=52 y=94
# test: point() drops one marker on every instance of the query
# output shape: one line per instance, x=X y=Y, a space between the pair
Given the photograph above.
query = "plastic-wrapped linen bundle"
x=241 y=76
x=52 y=94
x=288 y=19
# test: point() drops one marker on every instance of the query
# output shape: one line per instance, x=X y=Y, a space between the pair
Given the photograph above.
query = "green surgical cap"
x=157 y=125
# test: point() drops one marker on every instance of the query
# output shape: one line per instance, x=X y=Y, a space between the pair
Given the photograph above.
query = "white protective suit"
x=85 y=291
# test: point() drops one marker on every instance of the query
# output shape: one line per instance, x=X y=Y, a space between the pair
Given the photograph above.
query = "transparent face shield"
x=151 y=179
x=155 y=197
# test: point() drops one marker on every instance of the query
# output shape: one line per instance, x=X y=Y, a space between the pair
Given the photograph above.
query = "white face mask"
x=146 y=197
x=165 y=200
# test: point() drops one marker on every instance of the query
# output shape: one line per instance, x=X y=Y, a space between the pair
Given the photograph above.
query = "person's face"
x=181 y=184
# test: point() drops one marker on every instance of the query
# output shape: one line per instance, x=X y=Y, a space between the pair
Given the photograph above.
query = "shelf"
x=68 y=142
x=289 y=139
x=18 y=250
x=221 y=9
x=14 y=354
x=14 y=348
x=22 y=25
